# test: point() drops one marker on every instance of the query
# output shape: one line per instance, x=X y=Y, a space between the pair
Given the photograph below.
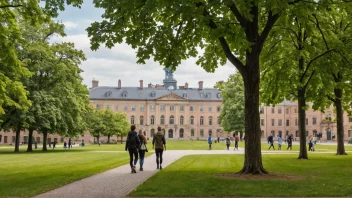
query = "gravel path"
x=119 y=182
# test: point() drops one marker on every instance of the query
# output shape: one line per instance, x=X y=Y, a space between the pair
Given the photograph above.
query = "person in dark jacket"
x=132 y=144
x=159 y=144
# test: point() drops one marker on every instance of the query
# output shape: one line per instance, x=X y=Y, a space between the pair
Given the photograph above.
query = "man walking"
x=279 y=142
x=159 y=144
x=271 y=142
x=210 y=141
x=132 y=144
x=236 y=142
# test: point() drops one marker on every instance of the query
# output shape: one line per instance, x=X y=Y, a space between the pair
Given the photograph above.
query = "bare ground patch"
x=270 y=176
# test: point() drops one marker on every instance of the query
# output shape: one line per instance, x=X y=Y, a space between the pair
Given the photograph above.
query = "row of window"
x=171 y=120
x=170 y=132
x=262 y=122
x=279 y=110
x=162 y=108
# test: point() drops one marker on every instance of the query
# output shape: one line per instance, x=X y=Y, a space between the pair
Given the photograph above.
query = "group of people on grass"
x=288 y=140
x=136 y=144
x=227 y=141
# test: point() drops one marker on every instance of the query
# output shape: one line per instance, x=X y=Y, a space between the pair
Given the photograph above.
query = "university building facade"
x=181 y=112
x=282 y=119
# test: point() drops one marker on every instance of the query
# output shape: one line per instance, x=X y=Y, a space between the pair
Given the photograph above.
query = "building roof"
x=135 y=93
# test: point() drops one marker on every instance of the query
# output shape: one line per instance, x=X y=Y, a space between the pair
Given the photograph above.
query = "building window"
x=141 y=108
x=218 y=95
x=219 y=120
x=349 y=133
x=141 y=120
x=287 y=110
x=125 y=108
x=172 y=120
x=97 y=106
x=201 y=133
x=210 y=109
x=162 y=107
x=210 y=120
x=280 y=122
x=261 y=110
x=273 y=133
x=181 y=120
x=172 y=108
x=314 y=120
x=279 y=111
x=192 y=132
x=182 y=108
x=191 y=108
x=133 y=107
x=349 y=119
x=132 y=119
x=152 y=107
x=162 y=119
x=201 y=120
x=287 y=122
x=116 y=108
x=272 y=122
x=202 y=95
x=296 y=110
x=152 y=120
x=306 y=121
x=152 y=94
x=201 y=108
x=296 y=122
x=280 y=133
x=107 y=106
x=191 y=120
x=184 y=95
x=262 y=122
x=272 y=110
x=218 y=109
x=181 y=132
x=5 y=139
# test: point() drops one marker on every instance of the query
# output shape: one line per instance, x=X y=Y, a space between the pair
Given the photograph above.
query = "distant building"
x=283 y=120
x=182 y=112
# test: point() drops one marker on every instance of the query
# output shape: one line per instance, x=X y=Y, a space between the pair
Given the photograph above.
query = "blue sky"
x=109 y=65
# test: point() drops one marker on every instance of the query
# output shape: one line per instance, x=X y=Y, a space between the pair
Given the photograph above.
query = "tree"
x=336 y=73
x=232 y=113
x=116 y=123
x=12 y=91
x=172 y=31
x=291 y=58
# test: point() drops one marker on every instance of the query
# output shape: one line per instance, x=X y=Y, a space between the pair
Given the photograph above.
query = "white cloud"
x=70 y=25
x=109 y=65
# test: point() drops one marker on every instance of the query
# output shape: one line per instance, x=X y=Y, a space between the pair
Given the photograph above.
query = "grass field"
x=26 y=174
x=206 y=175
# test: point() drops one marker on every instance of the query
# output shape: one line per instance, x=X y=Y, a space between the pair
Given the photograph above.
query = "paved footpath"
x=119 y=182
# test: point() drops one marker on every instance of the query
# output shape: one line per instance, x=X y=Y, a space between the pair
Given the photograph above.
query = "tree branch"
x=310 y=77
x=330 y=98
x=10 y=6
x=321 y=31
x=243 y=21
x=229 y=55
x=314 y=59
x=269 y=25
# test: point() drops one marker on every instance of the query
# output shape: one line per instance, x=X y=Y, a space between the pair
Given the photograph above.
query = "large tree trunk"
x=251 y=77
x=45 y=137
x=17 y=141
x=303 y=154
x=108 y=139
x=98 y=137
x=30 y=140
x=339 y=118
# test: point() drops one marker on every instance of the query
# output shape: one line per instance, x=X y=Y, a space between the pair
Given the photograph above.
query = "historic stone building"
x=182 y=112
x=282 y=119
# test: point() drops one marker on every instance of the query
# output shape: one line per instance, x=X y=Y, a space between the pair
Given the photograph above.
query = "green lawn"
x=198 y=175
x=27 y=174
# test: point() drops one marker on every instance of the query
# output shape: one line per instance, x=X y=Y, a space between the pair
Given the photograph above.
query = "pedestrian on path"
x=142 y=149
x=159 y=144
x=289 y=142
x=271 y=142
x=228 y=142
x=132 y=144
x=236 y=142
x=279 y=142
x=210 y=141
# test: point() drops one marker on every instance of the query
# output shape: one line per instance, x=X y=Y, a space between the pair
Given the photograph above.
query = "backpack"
x=132 y=140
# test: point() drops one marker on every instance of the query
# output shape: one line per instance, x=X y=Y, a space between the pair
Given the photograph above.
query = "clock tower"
x=169 y=81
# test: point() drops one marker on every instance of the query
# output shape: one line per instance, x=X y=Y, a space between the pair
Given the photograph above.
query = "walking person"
x=279 y=142
x=271 y=142
x=236 y=142
x=159 y=144
x=142 y=149
x=289 y=142
x=228 y=142
x=210 y=141
x=132 y=144
x=69 y=143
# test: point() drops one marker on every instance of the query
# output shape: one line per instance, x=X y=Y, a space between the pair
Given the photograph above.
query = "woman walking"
x=142 y=149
